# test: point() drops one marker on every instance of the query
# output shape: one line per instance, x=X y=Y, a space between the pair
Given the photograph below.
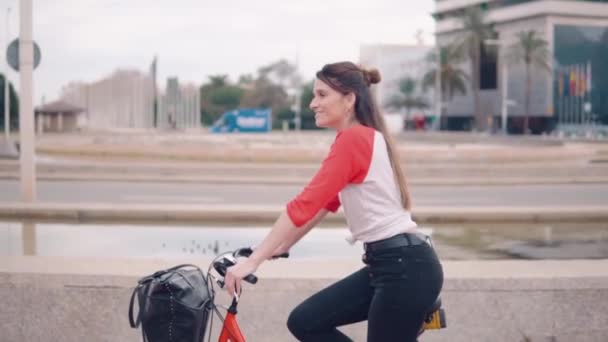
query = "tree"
x=271 y=89
x=407 y=98
x=218 y=80
x=453 y=79
x=246 y=80
x=14 y=105
x=265 y=94
x=532 y=51
x=218 y=95
x=475 y=32
x=281 y=72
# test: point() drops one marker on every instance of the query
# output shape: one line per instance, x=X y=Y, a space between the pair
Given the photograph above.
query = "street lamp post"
x=298 y=124
x=438 y=94
x=7 y=99
x=504 y=67
x=505 y=81
x=26 y=112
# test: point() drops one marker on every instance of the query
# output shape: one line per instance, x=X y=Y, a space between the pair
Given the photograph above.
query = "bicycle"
x=231 y=332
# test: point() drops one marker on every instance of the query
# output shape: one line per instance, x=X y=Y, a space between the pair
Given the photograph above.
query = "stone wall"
x=541 y=300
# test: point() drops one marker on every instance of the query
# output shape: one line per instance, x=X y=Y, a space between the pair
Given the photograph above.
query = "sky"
x=86 y=40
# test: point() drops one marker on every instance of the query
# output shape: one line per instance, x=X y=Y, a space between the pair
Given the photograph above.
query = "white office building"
x=568 y=94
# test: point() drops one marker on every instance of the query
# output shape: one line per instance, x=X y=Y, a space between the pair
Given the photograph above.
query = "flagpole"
x=560 y=93
x=589 y=93
x=558 y=106
x=577 y=98
x=579 y=94
x=565 y=98
x=568 y=96
x=560 y=98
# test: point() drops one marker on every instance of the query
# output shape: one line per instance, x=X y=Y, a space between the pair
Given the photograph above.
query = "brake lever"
x=229 y=260
x=243 y=252
x=247 y=251
x=282 y=255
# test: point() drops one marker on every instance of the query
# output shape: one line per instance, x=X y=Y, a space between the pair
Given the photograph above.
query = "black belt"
x=400 y=240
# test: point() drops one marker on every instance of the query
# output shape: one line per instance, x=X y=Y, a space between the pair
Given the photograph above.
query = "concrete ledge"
x=306 y=268
x=236 y=214
x=8 y=150
x=59 y=299
x=300 y=181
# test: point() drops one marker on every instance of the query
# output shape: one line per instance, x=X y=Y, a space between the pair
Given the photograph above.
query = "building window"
x=580 y=74
x=488 y=71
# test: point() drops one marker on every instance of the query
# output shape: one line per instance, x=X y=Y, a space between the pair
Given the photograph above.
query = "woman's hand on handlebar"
x=235 y=274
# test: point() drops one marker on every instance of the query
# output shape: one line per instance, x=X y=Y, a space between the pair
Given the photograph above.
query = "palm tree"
x=453 y=80
x=218 y=80
x=532 y=51
x=407 y=97
x=475 y=32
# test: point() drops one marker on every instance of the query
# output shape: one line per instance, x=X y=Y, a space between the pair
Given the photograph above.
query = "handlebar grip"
x=282 y=255
x=243 y=252
x=252 y=279
x=247 y=251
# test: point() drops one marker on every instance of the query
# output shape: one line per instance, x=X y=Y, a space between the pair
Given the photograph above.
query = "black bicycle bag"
x=174 y=305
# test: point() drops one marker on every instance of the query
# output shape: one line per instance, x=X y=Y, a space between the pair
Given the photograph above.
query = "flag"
x=566 y=81
x=560 y=82
x=577 y=78
x=583 y=79
x=572 y=81
x=580 y=81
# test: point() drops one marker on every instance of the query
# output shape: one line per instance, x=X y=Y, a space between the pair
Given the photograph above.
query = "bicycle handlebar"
x=247 y=251
x=229 y=259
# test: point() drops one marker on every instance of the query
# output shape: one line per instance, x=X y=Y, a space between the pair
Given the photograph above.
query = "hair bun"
x=372 y=75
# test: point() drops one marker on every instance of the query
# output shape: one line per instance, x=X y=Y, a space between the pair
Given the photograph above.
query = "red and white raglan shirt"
x=356 y=174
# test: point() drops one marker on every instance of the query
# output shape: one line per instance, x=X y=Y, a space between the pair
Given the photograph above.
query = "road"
x=192 y=193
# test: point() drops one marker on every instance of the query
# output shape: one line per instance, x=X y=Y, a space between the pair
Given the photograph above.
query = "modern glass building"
x=572 y=93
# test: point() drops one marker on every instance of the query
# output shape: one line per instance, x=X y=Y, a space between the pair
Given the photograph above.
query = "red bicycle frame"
x=231 y=332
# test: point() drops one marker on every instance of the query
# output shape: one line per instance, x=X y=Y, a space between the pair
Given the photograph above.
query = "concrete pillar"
x=26 y=110
x=60 y=122
x=40 y=123
x=28 y=234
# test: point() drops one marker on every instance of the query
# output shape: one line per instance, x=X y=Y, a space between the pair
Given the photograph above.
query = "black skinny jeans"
x=393 y=293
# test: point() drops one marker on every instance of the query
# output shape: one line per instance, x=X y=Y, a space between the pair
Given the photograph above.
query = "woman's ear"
x=350 y=100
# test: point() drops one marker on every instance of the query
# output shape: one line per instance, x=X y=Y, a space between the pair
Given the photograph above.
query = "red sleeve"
x=347 y=162
x=333 y=204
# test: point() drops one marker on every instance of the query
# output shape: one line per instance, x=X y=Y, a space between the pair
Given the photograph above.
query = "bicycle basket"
x=174 y=305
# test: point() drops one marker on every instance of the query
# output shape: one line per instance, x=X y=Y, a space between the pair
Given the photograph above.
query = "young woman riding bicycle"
x=402 y=276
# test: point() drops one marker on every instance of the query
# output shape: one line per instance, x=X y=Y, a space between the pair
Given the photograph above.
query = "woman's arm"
x=341 y=167
x=296 y=234
x=283 y=235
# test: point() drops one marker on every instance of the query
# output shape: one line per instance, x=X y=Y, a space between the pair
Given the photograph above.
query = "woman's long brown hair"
x=347 y=77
